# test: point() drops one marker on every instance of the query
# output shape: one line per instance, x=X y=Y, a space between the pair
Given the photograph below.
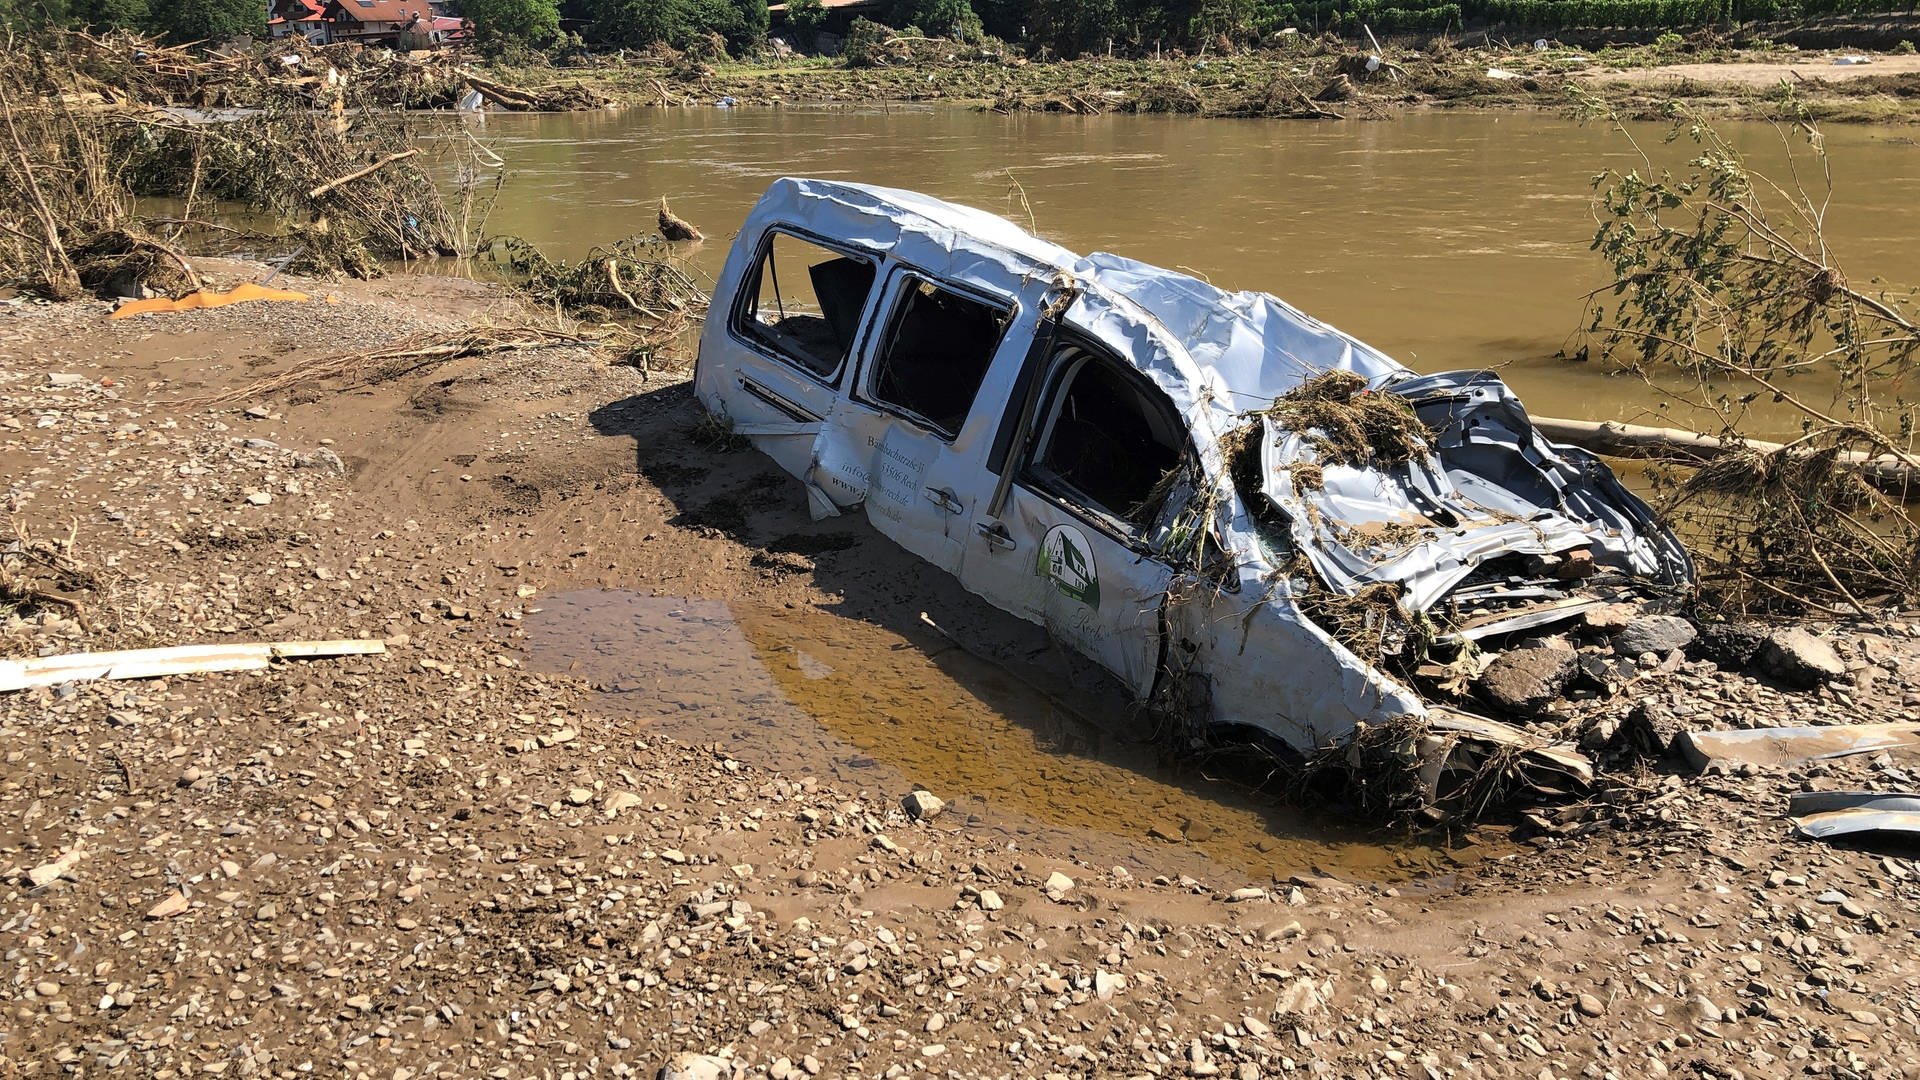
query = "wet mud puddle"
x=813 y=693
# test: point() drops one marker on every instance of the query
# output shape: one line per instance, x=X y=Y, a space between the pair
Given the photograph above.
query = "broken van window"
x=804 y=302
x=937 y=353
x=1107 y=441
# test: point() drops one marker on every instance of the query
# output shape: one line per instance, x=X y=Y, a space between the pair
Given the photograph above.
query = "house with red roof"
x=378 y=22
x=302 y=17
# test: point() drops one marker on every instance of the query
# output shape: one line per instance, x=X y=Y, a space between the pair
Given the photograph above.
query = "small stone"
x=1240 y=896
x=1590 y=1005
x=1301 y=996
x=1652 y=728
x=47 y=988
x=47 y=873
x=923 y=805
x=170 y=905
x=579 y=796
x=696 y=1067
x=936 y=1022
x=259 y=498
x=1660 y=634
x=1107 y=983
x=1058 y=885
x=990 y=900
x=618 y=801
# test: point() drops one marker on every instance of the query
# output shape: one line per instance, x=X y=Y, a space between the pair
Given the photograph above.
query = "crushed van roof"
x=1241 y=349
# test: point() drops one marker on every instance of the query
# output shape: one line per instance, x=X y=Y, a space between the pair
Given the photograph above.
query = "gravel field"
x=439 y=861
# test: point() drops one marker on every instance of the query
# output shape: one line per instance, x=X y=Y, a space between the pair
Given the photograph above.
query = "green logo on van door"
x=1066 y=559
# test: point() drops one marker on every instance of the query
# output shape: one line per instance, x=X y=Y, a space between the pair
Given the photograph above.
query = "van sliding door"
x=932 y=360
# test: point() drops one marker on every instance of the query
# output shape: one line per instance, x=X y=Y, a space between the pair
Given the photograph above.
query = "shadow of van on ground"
x=728 y=492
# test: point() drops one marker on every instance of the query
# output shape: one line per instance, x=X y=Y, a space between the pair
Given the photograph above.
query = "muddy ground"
x=439 y=861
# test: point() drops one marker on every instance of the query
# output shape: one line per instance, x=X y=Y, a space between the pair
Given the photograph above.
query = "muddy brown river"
x=1446 y=240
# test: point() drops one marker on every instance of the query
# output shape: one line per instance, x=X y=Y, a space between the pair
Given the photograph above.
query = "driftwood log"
x=506 y=97
x=674 y=228
x=1612 y=439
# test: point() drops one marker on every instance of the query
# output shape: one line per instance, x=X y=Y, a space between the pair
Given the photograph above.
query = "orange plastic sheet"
x=202 y=298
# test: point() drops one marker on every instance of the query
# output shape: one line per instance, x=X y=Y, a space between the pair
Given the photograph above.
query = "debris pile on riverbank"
x=93 y=128
x=1639 y=80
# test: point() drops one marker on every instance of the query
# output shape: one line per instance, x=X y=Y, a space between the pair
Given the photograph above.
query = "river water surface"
x=1447 y=240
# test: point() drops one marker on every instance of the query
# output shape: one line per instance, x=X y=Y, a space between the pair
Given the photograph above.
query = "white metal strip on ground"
x=176 y=660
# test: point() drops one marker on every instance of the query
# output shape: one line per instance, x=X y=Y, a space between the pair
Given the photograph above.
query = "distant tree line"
x=1060 y=27
x=178 y=20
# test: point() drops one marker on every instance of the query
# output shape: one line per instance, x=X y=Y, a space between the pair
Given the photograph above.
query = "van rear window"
x=803 y=303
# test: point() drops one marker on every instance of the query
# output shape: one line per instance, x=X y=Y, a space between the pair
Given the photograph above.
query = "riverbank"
x=440 y=860
x=1312 y=81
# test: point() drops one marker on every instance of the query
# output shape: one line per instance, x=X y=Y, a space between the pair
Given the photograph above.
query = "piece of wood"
x=674 y=228
x=368 y=171
x=178 y=660
x=1612 y=439
x=504 y=96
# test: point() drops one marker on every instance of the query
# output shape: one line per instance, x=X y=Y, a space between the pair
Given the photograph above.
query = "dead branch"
x=362 y=173
x=63 y=281
x=1613 y=439
x=405 y=356
x=674 y=228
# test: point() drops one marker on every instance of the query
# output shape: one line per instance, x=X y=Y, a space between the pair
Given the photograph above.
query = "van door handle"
x=995 y=535
x=945 y=499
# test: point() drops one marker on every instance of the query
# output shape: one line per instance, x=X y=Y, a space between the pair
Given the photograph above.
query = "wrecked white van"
x=1207 y=492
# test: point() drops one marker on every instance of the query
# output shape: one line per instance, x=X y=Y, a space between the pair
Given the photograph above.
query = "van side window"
x=938 y=348
x=803 y=301
x=1108 y=441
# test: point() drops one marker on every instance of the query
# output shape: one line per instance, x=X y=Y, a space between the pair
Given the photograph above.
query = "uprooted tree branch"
x=1727 y=296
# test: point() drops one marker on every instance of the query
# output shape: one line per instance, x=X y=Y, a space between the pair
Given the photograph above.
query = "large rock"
x=1732 y=646
x=1799 y=659
x=1526 y=681
x=1658 y=634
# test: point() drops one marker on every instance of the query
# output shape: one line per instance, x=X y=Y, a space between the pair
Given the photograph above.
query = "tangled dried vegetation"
x=92 y=126
x=639 y=290
x=37 y=573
